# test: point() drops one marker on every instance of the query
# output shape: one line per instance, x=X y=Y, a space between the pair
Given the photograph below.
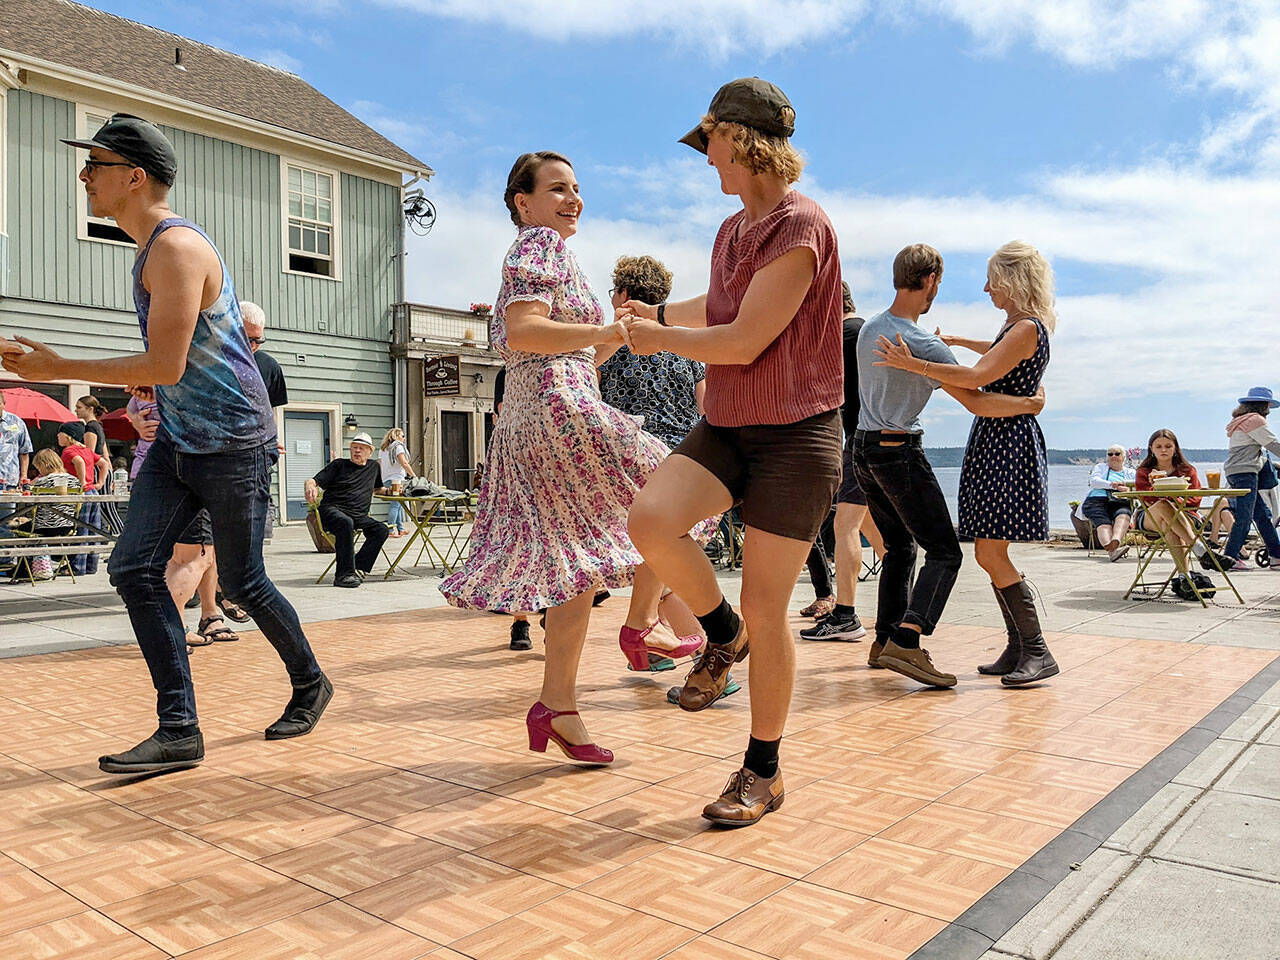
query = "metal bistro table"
x=22 y=544
x=1178 y=500
x=424 y=512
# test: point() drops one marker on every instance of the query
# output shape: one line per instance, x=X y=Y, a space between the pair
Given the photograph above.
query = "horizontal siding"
x=234 y=192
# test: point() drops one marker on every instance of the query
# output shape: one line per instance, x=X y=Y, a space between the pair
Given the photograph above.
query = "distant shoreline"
x=954 y=456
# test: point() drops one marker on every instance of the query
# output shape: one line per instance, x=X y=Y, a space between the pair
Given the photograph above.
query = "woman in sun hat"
x=1248 y=436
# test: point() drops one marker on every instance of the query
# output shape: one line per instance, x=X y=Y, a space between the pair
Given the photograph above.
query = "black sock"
x=842 y=612
x=762 y=757
x=721 y=624
x=907 y=638
x=170 y=734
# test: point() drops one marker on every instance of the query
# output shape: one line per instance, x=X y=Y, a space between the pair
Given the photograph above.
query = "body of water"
x=1067 y=482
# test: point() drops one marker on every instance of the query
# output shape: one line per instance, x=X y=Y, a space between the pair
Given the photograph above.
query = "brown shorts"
x=783 y=475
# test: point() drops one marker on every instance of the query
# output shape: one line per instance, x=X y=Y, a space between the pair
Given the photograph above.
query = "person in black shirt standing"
x=349 y=486
x=255 y=327
x=852 y=517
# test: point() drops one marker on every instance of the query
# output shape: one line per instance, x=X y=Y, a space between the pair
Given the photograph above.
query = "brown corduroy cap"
x=751 y=102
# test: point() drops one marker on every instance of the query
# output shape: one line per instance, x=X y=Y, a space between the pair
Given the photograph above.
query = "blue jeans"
x=1250 y=509
x=396 y=517
x=908 y=507
x=170 y=489
x=90 y=512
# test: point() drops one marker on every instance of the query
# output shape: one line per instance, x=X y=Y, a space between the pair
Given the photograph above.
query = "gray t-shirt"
x=892 y=399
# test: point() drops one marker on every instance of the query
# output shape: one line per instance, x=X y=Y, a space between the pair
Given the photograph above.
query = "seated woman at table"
x=1164 y=459
x=1109 y=515
x=50 y=475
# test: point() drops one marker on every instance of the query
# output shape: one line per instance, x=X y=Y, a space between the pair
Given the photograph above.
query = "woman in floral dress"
x=564 y=467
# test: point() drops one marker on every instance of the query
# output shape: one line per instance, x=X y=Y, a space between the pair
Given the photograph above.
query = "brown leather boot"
x=746 y=798
x=1013 y=648
x=1035 y=662
x=706 y=682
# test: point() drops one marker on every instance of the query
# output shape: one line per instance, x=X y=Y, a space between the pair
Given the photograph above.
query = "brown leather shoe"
x=820 y=608
x=746 y=798
x=706 y=682
x=873 y=655
x=915 y=664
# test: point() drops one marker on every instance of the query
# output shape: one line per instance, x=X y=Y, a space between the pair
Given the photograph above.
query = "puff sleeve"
x=535 y=266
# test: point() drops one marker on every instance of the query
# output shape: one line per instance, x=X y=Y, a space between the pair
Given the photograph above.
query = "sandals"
x=220 y=633
x=231 y=609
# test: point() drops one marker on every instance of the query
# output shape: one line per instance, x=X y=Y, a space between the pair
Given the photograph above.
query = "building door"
x=306 y=450
x=488 y=432
x=455 y=449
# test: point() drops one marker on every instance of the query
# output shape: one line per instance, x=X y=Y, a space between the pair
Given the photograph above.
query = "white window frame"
x=335 y=209
x=4 y=126
x=84 y=130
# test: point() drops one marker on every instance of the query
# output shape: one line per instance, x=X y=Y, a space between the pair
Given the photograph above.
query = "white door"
x=306 y=449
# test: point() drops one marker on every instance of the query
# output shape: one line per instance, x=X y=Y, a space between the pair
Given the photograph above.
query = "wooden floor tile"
x=28 y=900
x=206 y=909
x=333 y=931
x=392 y=796
x=267 y=830
x=658 y=812
x=858 y=809
x=807 y=922
x=1005 y=841
x=475 y=820
x=684 y=886
x=454 y=898
x=1055 y=805
x=780 y=843
x=81 y=936
x=709 y=948
x=923 y=881
x=358 y=859
x=576 y=926
x=569 y=853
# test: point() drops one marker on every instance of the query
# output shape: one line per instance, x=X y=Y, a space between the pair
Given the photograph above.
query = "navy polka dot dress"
x=1004 y=483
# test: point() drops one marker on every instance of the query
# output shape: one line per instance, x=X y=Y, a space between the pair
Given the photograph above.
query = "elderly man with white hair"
x=255 y=327
x=349 y=484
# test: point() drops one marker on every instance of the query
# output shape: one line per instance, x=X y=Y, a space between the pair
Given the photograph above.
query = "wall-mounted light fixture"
x=350 y=423
x=478 y=377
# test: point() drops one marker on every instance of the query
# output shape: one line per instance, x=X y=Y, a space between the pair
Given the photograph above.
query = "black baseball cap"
x=751 y=102
x=73 y=429
x=139 y=142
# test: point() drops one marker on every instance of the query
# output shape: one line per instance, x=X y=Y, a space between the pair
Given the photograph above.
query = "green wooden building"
x=302 y=198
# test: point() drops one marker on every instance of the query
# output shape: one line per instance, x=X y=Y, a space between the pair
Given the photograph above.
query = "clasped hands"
x=637 y=325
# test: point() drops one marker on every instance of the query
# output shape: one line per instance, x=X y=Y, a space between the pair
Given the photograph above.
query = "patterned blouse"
x=658 y=387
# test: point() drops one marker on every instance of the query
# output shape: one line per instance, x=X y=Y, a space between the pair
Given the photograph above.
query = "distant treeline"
x=954 y=456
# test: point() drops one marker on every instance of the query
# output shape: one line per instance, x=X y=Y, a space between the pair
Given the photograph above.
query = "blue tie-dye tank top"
x=220 y=403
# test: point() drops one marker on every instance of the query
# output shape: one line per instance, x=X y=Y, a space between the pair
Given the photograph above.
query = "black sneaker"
x=1224 y=562
x=193 y=602
x=520 y=635
x=303 y=710
x=350 y=580
x=831 y=628
x=156 y=756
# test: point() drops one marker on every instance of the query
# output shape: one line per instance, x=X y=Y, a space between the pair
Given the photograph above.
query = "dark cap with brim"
x=751 y=102
x=73 y=429
x=139 y=142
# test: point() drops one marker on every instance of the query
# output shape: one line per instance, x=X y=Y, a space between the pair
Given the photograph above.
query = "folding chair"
x=871 y=569
x=355 y=545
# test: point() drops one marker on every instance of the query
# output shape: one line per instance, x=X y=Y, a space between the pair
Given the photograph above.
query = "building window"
x=311 y=220
x=104 y=229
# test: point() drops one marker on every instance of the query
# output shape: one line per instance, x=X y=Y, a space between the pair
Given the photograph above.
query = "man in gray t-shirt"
x=893 y=399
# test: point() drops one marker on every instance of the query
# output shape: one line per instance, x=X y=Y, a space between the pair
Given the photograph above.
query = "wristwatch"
x=662 y=314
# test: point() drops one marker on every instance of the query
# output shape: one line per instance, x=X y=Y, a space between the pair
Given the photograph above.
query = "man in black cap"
x=214 y=448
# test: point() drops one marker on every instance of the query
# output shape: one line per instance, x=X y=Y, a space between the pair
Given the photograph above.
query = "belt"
x=887 y=436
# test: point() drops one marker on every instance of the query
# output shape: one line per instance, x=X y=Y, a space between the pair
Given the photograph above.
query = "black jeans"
x=170 y=489
x=908 y=507
x=342 y=527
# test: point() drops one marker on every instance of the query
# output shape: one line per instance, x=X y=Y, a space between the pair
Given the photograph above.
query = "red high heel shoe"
x=636 y=650
x=540 y=731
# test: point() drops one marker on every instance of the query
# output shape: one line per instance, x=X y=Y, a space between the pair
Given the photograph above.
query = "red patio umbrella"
x=33 y=405
x=116 y=425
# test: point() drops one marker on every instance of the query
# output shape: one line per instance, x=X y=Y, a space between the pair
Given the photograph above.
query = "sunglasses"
x=1116 y=453
x=92 y=165
x=258 y=340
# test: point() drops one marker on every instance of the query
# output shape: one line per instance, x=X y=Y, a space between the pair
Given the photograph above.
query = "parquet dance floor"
x=414 y=822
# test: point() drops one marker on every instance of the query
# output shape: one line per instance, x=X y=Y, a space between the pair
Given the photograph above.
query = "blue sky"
x=1134 y=141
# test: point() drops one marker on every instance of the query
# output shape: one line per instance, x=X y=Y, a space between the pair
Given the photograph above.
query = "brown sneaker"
x=819 y=608
x=746 y=799
x=915 y=664
x=873 y=655
x=706 y=682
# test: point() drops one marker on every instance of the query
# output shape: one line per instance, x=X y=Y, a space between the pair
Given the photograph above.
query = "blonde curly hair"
x=758 y=152
x=1018 y=271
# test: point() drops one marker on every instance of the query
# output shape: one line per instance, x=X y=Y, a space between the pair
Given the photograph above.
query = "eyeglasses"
x=258 y=340
x=92 y=165
x=1115 y=453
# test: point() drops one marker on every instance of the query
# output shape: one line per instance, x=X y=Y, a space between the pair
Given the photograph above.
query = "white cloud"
x=280 y=59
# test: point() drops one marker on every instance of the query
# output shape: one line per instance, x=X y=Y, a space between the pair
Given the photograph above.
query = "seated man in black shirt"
x=349 y=486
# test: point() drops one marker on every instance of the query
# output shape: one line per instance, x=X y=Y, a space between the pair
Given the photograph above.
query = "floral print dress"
x=563 y=466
